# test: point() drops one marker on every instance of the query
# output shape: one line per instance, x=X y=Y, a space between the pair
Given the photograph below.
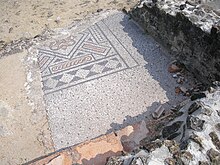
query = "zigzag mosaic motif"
x=76 y=59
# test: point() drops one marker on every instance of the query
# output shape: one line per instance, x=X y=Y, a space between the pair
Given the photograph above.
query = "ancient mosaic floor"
x=91 y=54
x=95 y=78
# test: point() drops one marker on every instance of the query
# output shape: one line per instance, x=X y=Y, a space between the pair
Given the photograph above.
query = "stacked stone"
x=191 y=136
x=190 y=31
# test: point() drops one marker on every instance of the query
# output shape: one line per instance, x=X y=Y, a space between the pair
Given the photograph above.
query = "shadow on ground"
x=156 y=59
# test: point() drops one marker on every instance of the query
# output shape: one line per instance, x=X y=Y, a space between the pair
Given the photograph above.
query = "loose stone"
x=177 y=90
x=194 y=123
x=183 y=89
x=180 y=80
x=99 y=10
x=203 y=163
x=169 y=130
x=151 y=146
x=115 y=161
x=186 y=157
x=215 y=140
x=194 y=107
x=158 y=112
x=174 y=148
x=211 y=90
x=182 y=6
x=170 y=161
x=217 y=126
x=207 y=111
x=214 y=156
x=174 y=68
x=196 y=139
x=175 y=76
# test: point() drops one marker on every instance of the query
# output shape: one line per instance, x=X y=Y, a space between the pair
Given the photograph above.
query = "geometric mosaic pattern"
x=79 y=58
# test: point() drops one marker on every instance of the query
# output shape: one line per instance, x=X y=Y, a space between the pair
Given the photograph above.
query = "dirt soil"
x=24 y=130
x=27 y=18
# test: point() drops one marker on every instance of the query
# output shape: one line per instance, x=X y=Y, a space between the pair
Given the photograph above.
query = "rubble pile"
x=188 y=134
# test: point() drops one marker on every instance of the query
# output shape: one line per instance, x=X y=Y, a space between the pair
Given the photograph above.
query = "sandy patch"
x=27 y=18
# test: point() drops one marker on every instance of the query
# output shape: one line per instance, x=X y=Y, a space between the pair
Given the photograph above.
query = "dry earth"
x=24 y=131
x=27 y=18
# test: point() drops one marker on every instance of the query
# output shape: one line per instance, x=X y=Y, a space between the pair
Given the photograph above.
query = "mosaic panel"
x=80 y=58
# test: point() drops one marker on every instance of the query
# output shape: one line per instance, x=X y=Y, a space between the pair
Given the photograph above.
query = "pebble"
x=170 y=161
x=57 y=20
x=195 y=90
x=183 y=89
x=180 y=80
x=158 y=112
x=174 y=68
x=207 y=111
x=177 y=90
x=215 y=139
x=182 y=6
x=175 y=76
x=10 y=29
x=211 y=90
x=196 y=139
x=99 y=10
x=214 y=156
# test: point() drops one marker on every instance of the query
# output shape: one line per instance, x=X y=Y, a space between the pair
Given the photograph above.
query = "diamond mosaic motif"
x=66 y=78
x=51 y=83
x=80 y=58
x=112 y=64
x=97 y=68
x=82 y=73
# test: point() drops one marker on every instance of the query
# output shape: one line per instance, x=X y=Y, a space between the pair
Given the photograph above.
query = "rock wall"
x=189 y=30
x=191 y=137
